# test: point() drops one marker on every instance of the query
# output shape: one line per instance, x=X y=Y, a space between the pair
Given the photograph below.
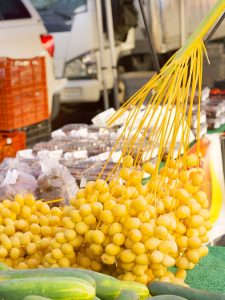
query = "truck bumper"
x=77 y=91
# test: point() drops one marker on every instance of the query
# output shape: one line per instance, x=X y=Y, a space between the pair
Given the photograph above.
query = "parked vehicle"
x=23 y=35
x=78 y=57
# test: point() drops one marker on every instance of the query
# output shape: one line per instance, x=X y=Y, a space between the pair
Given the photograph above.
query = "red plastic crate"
x=23 y=92
x=18 y=139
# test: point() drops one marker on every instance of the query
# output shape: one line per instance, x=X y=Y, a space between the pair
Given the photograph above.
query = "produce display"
x=117 y=229
x=117 y=236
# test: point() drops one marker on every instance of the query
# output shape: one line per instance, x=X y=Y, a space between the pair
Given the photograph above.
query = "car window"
x=57 y=14
x=13 y=9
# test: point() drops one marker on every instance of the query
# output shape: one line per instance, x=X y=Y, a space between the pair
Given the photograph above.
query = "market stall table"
x=209 y=274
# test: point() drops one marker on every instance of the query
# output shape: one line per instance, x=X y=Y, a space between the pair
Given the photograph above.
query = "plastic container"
x=214 y=109
x=23 y=92
x=18 y=139
x=213 y=123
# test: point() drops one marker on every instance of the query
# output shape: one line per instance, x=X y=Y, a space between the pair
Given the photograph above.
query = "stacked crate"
x=23 y=95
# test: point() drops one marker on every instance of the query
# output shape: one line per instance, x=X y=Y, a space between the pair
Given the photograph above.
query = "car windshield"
x=58 y=14
x=12 y=10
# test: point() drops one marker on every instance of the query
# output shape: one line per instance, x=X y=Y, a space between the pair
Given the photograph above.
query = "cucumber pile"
x=66 y=284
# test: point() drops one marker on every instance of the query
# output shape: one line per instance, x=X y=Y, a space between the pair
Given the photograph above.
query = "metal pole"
x=110 y=31
x=209 y=37
x=149 y=38
x=182 y=22
x=101 y=47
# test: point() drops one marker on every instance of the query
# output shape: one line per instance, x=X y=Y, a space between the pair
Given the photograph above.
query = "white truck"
x=86 y=53
x=23 y=35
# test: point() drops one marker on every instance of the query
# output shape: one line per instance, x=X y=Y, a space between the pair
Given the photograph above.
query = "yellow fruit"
x=132 y=223
x=31 y=248
x=183 y=212
x=67 y=248
x=139 y=204
x=81 y=227
x=135 y=235
x=98 y=236
x=14 y=253
x=68 y=223
x=119 y=239
x=15 y=207
x=146 y=229
x=70 y=234
x=193 y=256
x=57 y=254
x=95 y=266
x=129 y=276
x=196 y=221
x=77 y=242
x=152 y=243
x=56 y=211
x=60 y=237
x=196 y=178
x=85 y=262
x=182 y=241
x=5 y=241
x=138 y=248
x=9 y=230
x=75 y=216
x=46 y=230
x=119 y=210
x=192 y=160
x=180 y=228
x=22 y=266
x=139 y=270
x=108 y=259
x=168 y=261
x=114 y=228
x=156 y=257
x=25 y=212
x=182 y=263
x=128 y=161
x=85 y=209
x=203 y=251
x=64 y=262
x=194 y=206
x=142 y=279
x=15 y=242
x=90 y=220
x=127 y=256
x=97 y=208
x=142 y=259
x=112 y=249
x=101 y=185
x=128 y=243
x=160 y=232
x=54 y=220
x=107 y=217
x=96 y=249
x=181 y=274
x=44 y=243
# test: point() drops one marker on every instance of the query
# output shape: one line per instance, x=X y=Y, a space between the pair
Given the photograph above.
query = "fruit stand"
x=124 y=208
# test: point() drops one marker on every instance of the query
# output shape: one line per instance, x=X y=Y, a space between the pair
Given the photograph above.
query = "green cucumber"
x=4 y=267
x=57 y=288
x=35 y=297
x=164 y=288
x=166 y=297
x=57 y=272
x=137 y=287
x=107 y=287
x=128 y=295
